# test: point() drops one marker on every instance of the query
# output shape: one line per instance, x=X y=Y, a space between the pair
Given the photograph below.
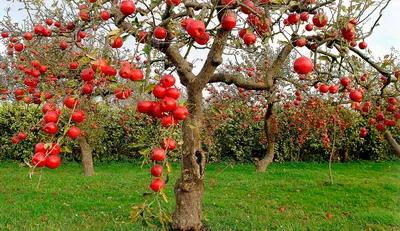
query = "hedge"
x=121 y=135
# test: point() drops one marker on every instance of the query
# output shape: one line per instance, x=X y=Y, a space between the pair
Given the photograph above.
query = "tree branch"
x=375 y=65
x=183 y=67
x=238 y=80
x=376 y=21
x=214 y=58
x=276 y=65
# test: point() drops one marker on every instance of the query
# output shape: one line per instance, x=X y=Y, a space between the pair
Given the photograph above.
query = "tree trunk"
x=393 y=143
x=87 y=159
x=345 y=155
x=189 y=189
x=261 y=166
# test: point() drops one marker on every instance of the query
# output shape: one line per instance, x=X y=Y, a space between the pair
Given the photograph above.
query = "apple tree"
x=192 y=40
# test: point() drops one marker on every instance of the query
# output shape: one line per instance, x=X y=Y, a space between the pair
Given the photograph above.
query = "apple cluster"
x=166 y=107
x=196 y=29
x=21 y=136
x=47 y=155
x=31 y=82
x=167 y=110
x=52 y=115
x=348 y=33
x=158 y=154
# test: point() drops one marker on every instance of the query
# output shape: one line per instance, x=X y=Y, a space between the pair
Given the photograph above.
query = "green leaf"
x=167 y=180
x=113 y=86
x=321 y=18
x=215 y=110
x=324 y=58
x=143 y=137
x=125 y=37
x=137 y=145
x=145 y=151
x=94 y=52
x=54 y=4
x=283 y=42
x=156 y=2
x=149 y=88
x=71 y=83
x=147 y=49
x=140 y=81
x=66 y=130
x=135 y=22
x=134 y=215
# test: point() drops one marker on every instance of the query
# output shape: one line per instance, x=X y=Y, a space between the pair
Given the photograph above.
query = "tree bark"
x=262 y=165
x=188 y=214
x=189 y=189
x=393 y=143
x=87 y=159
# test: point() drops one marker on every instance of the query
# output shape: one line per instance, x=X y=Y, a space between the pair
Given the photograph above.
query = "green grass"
x=365 y=196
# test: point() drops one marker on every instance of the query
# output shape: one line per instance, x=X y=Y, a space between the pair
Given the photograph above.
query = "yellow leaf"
x=191 y=126
x=135 y=214
x=169 y=167
x=163 y=195
x=47 y=145
x=67 y=149
x=114 y=32
x=90 y=57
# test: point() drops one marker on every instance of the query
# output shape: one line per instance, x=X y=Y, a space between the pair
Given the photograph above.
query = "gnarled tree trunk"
x=261 y=165
x=87 y=159
x=189 y=189
x=393 y=143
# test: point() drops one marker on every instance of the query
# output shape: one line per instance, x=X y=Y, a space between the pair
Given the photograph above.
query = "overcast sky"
x=385 y=36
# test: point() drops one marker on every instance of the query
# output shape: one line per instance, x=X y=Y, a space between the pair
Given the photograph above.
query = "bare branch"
x=376 y=21
x=375 y=65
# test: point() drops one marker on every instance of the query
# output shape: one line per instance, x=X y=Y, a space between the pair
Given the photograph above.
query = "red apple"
x=228 y=20
x=157 y=170
x=303 y=65
x=127 y=7
x=195 y=28
x=320 y=19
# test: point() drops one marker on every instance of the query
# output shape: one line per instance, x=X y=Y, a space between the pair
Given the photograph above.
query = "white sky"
x=385 y=36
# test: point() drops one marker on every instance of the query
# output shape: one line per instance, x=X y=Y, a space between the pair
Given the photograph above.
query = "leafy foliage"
x=235 y=133
x=239 y=137
x=114 y=134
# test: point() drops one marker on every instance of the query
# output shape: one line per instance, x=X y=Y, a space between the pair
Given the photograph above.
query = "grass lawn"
x=365 y=196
